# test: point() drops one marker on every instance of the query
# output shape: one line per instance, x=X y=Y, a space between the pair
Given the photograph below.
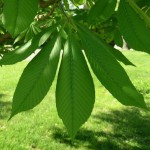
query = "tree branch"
x=5 y=37
x=44 y=4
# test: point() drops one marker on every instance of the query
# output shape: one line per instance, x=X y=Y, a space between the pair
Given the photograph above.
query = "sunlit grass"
x=111 y=126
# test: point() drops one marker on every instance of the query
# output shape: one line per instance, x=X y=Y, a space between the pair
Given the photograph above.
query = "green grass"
x=111 y=126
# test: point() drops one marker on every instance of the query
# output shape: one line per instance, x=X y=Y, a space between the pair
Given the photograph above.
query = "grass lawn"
x=111 y=126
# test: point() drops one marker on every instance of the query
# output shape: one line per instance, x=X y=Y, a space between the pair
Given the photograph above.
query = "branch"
x=5 y=38
x=48 y=14
x=44 y=4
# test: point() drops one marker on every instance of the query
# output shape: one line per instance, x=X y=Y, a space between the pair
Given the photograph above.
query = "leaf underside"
x=75 y=94
x=101 y=11
x=133 y=28
x=22 y=13
x=109 y=71
x=37 y=78
x=27 y=49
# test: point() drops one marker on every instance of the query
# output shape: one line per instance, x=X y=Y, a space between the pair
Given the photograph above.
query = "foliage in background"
x=72 y=26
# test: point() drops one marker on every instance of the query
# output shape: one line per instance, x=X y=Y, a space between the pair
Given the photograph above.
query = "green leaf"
x=18 y=14
x=78 y=2
x=37 y=78
x=118 y=38
x=29 y=34
x=75 y=92
x=20 y=36
x=102 y=10
x=133 y=28
x=27 y=49
x=109 y=71
x=140 y=12
x=66 y=3
x=116 y=53
x=119 y=56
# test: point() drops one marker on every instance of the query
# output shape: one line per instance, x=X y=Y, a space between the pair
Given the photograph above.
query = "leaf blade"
x=75 y=92
x=109 y=71
x=22 y=13
x=37 y=78
x=102 y=10
x=120 y=57
x=133 y=28
x=28 y=48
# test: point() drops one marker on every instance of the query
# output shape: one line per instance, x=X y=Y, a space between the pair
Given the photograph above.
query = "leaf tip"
x=10 y=117
x=72 y=135
x=133 y=65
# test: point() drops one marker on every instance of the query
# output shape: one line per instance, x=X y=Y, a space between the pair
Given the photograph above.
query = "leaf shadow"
x=130 y=129
x=5 y=107
x=85 y=138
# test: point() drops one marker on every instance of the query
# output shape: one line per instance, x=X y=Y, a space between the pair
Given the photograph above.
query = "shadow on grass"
x=130 y=129
x=85 y=138
x=5 y=108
